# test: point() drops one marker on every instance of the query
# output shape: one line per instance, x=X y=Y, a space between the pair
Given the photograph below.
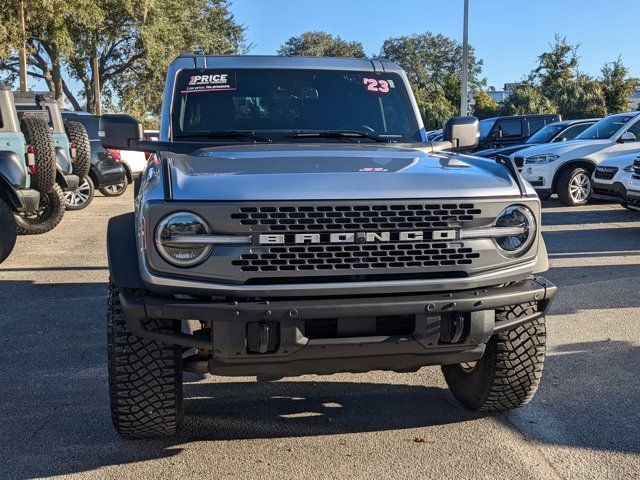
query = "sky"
x=507 y=35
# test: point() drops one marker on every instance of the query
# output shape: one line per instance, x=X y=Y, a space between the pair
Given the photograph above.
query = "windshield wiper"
x=339 y=134
x=224 y=134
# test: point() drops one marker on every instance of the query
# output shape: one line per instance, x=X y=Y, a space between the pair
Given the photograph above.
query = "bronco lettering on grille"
x=357 y=237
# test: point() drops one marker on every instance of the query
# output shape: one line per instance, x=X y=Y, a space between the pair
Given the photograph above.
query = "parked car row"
x=52 y=161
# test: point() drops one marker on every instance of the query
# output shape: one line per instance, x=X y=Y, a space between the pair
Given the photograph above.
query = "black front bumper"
x=613 y=192
x=281 y=329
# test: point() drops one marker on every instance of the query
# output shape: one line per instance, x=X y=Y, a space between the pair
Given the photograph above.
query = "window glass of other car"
x=573 y=131
x=90 y=123
x=510 y=128
x=486 y=126
x=536 y=124
x=635 y=129
x=605 y=128
x=546 y=134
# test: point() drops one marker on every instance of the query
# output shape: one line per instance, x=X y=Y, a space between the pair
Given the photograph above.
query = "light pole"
x=23 y=51
x=464 y=108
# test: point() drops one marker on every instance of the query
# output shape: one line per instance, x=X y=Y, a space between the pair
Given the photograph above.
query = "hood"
x=574 y=148
x=620 y=161
x=330 y=171
x=492 y=152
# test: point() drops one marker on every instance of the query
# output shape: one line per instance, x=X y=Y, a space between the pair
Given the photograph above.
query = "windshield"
x=605 y=128
x=546 y=134
x=275 y=104
x=485 y=127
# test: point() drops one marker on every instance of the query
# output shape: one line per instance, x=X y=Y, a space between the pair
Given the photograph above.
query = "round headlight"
x=176 y=239
x=521 y=218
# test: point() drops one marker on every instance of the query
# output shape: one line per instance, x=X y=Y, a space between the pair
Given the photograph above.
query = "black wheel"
x=38 y=135
x=574 y=186
x=77 y=135
x=114 y=190
x=145 y=377
x=82 y=197
x=46 y=218
x=8 y=230
x=508 y=374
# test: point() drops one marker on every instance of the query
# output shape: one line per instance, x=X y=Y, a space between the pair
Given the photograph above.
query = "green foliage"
x=321 y=44
x=617 y=86
x=485 y=106
x=581 y=97
x=433 y=65
x=557 y=67
x=525 y=100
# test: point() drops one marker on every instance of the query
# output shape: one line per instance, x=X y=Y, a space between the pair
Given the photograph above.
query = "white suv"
x=633 y=187
x=610 y=178
x=566 y=168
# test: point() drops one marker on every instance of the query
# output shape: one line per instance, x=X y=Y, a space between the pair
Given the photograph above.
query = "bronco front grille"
x=636 y=168
x=355 y=217
x=354 y=257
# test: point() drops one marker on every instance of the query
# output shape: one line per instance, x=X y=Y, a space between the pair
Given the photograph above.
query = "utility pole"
x=23 y=51
x=96 y=79
x=464 y=108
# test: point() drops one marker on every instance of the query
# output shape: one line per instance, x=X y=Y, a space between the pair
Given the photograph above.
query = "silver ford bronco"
x=294 y=220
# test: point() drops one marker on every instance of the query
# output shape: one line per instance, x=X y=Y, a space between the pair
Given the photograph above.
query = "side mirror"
x=119 y=131
x=462 y=132
x=627 y=137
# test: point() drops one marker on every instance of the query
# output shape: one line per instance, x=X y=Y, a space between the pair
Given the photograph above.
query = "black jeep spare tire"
x=38 y=135
x=8 y=230
x=508 y=374
x=78 y=136
x=46 y=217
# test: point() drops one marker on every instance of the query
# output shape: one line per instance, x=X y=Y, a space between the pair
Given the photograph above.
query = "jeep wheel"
x=82 y=197
x=77 y=135
x=8 y=230
x=145 y=377
x=508 y=374
x=114 y=190
x=46 y=218
x=37 y=134
x=574 y=186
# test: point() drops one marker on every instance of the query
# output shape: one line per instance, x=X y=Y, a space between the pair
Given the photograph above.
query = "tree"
x=321 y=44
x=581 y=97
x=485 y=106
x=433 y=65
x=617 y=86
x=556 y=67
x=527 y=99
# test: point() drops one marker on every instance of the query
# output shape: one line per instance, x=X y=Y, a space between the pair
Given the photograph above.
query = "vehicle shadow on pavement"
x=573 y=216
x=234 y=410
x=588 y=398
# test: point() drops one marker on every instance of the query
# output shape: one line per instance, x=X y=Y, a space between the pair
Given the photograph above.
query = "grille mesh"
x=357 y=218
x=636 y=168
x=354 y=257
x=606 y=173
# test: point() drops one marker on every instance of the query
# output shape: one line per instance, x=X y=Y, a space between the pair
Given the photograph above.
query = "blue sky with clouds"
x=507 y=35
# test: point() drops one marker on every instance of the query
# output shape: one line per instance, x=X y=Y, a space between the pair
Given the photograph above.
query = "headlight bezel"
x=207 y=248
x=531 y=230
x=541 y=159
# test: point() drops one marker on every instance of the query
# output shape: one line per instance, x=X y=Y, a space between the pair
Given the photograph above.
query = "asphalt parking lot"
x=583 y=423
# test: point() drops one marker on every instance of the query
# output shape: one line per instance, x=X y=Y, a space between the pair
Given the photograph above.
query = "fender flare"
x=8 y=192
x=577 y=162
x=122 y=252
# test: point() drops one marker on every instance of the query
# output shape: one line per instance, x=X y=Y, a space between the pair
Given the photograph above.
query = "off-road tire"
x=37 y=133
x=46 y=218
x=8 y=231
x=508 y=374
x=77 y=135
x=82 y=197
x=145 y=377
x=115 y=193
x=563 y=186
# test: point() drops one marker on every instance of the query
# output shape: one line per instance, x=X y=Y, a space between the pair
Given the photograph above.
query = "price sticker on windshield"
x=211 y=82
x=376 y=86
